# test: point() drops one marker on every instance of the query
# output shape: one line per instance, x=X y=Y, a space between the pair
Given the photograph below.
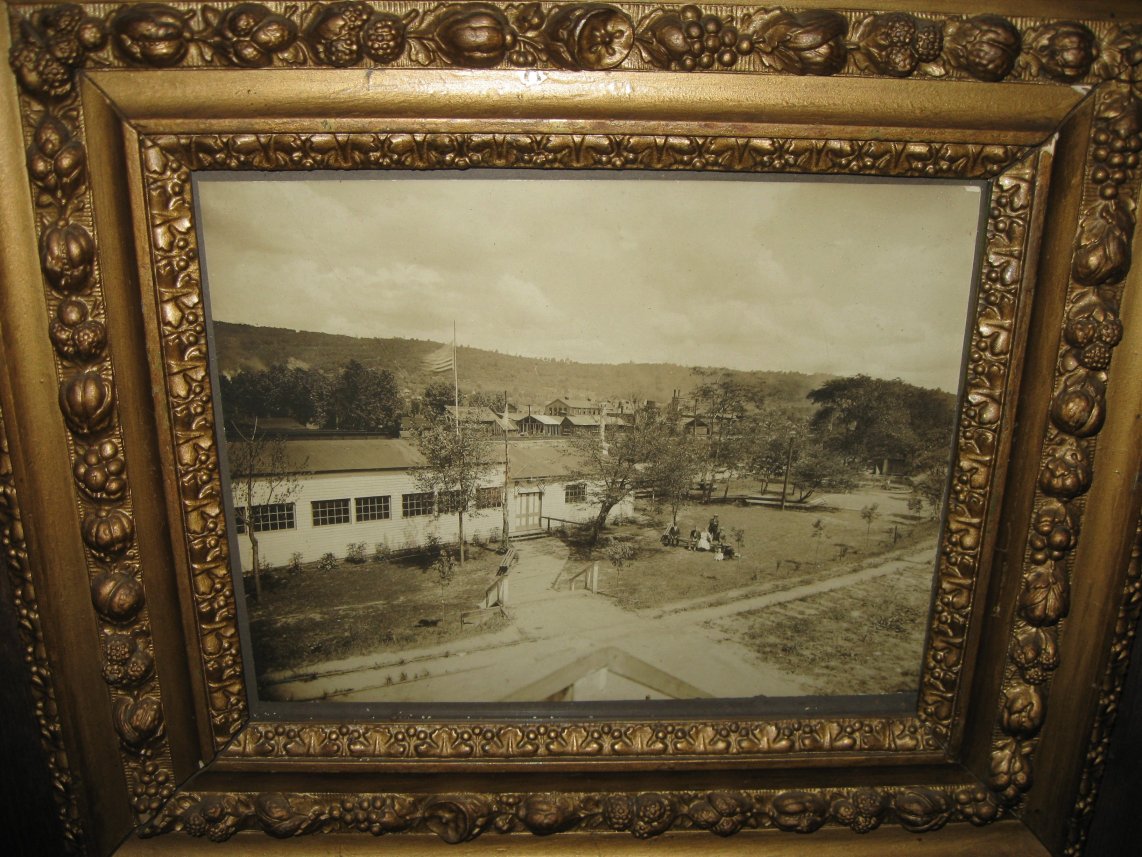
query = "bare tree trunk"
x=254 y=561
x=600 y=521
x=460 y=515
x=788 y=467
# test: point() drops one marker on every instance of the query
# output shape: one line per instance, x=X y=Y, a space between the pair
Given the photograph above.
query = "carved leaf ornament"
x=51 y=44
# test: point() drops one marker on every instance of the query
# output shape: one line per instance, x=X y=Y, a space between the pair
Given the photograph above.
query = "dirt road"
x=558 y=639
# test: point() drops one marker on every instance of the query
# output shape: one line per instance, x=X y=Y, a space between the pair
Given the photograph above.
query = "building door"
x=528 y=510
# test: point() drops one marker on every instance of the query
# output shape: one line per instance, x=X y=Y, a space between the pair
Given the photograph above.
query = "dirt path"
x=739 y=601
x=557 y=635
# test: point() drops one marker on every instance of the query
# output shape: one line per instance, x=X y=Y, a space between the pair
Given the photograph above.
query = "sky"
x=740 y=272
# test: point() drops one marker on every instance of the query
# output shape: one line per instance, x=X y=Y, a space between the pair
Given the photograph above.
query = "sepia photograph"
x=518 y=437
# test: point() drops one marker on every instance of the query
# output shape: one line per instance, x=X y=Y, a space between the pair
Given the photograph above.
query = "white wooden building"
x=363 y=491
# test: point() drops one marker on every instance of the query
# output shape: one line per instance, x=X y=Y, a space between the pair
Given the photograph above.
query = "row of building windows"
x=280 y=516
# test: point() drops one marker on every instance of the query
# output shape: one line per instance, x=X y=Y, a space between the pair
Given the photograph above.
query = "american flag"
x=440 y=360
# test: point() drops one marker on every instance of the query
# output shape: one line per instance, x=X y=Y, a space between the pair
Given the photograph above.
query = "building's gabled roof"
x=528 y=459
x=477 y=413
x=546 y=419
x=542 y=459
x=581 y=419
x=332 y=454
x=577 y=403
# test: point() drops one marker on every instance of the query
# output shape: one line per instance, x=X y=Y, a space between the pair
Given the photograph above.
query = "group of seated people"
x=709 y=539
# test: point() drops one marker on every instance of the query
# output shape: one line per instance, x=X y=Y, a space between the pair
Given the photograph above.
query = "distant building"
x=573 y=407
x=575 y=424
x=695 y=425
x=363 y=490
x=540 y=425
x=488 y=419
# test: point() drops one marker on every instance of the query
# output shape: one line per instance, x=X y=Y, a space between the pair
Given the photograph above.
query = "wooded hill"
x=528 y=380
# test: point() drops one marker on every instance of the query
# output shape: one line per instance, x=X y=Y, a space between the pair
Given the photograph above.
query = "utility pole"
x=506 y=537
x=788 y=466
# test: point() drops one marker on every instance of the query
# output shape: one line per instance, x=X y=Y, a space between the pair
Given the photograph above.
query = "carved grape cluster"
x=897 y=43
x=689 y=40
x=54 y=43
x=342 y=33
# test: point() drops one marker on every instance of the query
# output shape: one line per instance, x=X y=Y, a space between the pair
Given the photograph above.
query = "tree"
x=457 y=459
x=674 y=460
x=870 y=420
x=725 y=402
x=817 y=468
x=818 y=535
x=928 y=485
x=262 y=475
x=869 y=514
x=363 y=399
x=614 y=467
x=438 y=397
x=493 y=401
x=444 y=568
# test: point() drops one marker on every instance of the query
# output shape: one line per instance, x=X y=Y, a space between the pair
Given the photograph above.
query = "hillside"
x=241 y=347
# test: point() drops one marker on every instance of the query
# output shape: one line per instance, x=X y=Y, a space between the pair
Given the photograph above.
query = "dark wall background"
x=28 y=818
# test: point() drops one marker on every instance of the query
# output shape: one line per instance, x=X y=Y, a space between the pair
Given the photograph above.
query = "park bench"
x=510 y=557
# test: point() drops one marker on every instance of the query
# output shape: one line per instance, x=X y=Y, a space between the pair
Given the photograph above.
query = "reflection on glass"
x=520 y=438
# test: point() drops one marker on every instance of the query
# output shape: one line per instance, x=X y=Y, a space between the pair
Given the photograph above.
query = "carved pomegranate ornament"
x=474 y=35
x=985 y=46
x=108 y=532
x=117 y=596
x=1064 y=51
x=86 y=401
x=921 y=810
x=1023 y=710
x=1045 y=596
x=250 y=34
x=68 y=255
x=151 y=34
x=1078 y=406
x=593 y=36
x=801 y=812
x=138 y=720
x=56 y=160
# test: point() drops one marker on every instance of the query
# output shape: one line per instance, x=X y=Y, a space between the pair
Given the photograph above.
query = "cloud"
x=805 y=275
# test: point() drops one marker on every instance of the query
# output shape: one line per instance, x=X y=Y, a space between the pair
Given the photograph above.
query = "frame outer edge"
x=1099 y=575
x=53 y=540
x=108 y=143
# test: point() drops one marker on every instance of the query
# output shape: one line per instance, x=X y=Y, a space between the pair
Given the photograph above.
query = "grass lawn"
x=865 y=638
x=314 y=615
x=778 y=550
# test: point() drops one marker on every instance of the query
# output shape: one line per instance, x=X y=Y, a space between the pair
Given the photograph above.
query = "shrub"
x=380 y=551
x=294 y=562
x=477 y=540
x=619 y=553
x=494 y=536
x=328 y=562
x=355 y=552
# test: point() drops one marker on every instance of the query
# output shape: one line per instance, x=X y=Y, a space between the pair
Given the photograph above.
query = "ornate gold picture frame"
x=112 y=514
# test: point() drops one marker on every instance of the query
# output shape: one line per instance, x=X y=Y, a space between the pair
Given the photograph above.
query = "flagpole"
x=455 y=379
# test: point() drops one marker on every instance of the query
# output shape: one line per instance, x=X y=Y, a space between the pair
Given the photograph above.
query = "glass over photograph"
x=516 y=437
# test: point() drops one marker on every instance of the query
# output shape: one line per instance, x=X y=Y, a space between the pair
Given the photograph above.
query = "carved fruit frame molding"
x=53 y=44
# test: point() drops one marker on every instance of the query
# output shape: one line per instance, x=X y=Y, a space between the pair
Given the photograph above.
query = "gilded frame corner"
x=119 y=105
